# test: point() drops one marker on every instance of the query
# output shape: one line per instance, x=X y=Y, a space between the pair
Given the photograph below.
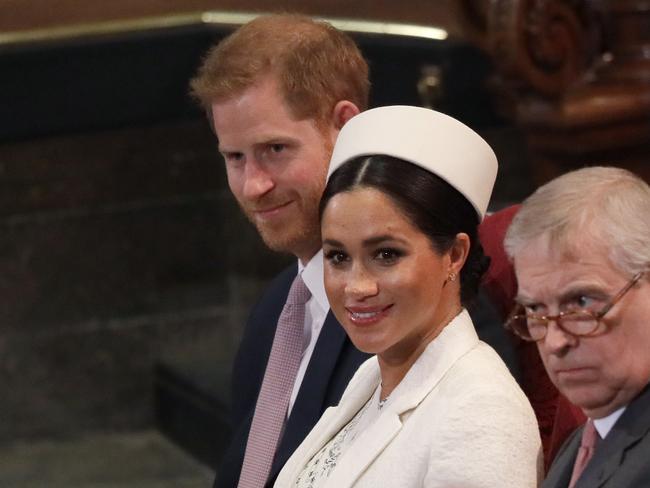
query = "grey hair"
x=609 y=206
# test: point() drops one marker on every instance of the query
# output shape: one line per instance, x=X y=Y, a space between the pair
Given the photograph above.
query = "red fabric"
x=499 y=282
x=556 y=417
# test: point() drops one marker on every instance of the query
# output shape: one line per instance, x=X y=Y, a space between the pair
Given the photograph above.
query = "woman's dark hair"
x=435 y=207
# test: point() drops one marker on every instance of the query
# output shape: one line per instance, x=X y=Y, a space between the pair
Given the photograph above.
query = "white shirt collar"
x=312 y=275
x=604 y=425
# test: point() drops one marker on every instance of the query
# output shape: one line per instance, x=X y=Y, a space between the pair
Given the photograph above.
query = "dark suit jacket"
x=621 y=460
x=330 y=368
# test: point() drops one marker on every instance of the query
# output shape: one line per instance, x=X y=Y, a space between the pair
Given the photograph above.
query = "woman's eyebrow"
x=332 y=242
x=373 y=241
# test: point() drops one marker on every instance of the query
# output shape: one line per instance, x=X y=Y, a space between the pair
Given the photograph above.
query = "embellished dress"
x=323 y=463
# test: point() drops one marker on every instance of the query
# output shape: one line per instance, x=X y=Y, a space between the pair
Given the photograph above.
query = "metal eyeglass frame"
x=595 y=316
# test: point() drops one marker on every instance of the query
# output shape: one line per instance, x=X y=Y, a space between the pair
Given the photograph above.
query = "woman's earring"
x=452 y=276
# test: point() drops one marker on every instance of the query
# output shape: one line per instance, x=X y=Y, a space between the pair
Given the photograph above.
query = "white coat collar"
x=455 y=340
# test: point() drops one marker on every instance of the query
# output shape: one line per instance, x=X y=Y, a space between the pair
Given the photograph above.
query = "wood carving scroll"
x=542 y=46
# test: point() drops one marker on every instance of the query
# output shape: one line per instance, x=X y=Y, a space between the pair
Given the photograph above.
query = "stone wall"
x=117 y=248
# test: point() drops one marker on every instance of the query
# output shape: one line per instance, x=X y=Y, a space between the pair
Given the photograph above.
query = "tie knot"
x=298 y=293
x=589 y=435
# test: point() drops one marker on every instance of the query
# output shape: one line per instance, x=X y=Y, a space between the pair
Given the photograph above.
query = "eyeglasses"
x=533 y=327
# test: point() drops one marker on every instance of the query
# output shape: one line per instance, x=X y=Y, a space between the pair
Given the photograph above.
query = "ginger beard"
x=295 y=228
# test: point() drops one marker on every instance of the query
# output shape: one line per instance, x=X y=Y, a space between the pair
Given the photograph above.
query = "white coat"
x=457 y=419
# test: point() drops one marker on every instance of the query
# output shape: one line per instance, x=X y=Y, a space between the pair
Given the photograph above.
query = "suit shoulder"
x=280 y=284
x=275 y=294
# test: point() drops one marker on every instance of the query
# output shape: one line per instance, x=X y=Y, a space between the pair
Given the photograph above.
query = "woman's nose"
x=361 y=284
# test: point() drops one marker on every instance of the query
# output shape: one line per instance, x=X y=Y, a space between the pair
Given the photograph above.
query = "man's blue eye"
x=532 y=308
x=584 y=301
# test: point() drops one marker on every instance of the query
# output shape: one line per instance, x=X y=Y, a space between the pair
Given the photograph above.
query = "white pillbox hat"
x=429 y=139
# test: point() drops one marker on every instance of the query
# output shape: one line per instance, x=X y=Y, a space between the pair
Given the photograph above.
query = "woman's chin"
x=367 y=346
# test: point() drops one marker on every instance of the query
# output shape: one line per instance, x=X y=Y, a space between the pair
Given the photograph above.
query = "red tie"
x=587 y=447
x=273 y=400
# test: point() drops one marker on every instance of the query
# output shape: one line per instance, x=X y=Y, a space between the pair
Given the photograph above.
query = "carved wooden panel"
x=544 y=44
x=575 y=75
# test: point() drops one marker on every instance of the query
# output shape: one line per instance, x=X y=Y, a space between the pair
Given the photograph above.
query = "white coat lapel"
x=455 y=341
x=356 y=395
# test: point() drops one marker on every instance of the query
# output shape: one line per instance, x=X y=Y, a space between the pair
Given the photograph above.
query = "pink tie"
x=587 y=447
x=273 y=400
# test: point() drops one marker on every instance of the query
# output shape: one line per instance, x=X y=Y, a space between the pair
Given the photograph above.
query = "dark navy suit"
x=621 y=459
x=330 y=368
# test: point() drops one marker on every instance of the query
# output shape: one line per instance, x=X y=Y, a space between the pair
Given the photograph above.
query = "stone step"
x=142 y=459
x=192 y=405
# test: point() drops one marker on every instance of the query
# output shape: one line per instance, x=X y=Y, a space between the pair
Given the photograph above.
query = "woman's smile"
x=365 y=316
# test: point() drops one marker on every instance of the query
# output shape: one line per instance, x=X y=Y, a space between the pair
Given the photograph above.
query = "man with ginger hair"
x=581 y=251
x=277 y=91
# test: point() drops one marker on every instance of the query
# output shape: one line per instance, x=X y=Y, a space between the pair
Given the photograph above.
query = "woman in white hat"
x=407 y=188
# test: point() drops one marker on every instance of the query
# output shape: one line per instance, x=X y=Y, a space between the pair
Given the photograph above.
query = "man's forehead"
x=580 y=245
x=543 y=258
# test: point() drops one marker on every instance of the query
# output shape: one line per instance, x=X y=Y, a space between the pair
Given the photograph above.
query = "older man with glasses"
x=581 y=249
